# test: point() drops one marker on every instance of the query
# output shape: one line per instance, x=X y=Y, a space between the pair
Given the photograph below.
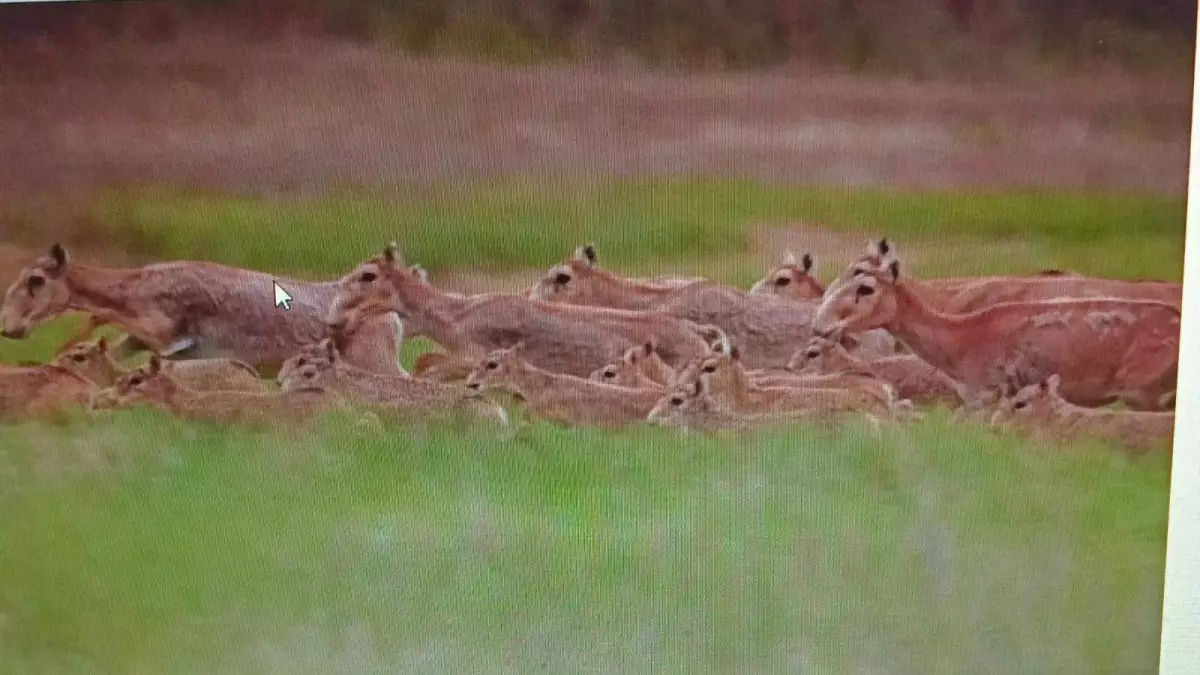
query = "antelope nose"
x=13 y=334
x=336 y=326
x=473 y=386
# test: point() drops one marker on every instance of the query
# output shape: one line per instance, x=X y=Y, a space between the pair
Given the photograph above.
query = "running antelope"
x=770 y=327
x=191 y=309
x=908 y=374
x=1104 y=349
x=968 y=294
x=31 y=391
x=691 y=406
x=565 y=399
x=637 y=367
x=151 y=385
x=732 y=388
x=793 y=279
x=321 y=365
x=93 y=361
x=1041 y=409
x=560 y=338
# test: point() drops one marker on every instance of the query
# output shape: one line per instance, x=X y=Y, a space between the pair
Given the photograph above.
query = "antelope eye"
x=302 y=362
x=1020 y=404
x=813 y=353
x=35 y=283
x=864 y=290
x=491 y=365
x=676 y=400
x=78 y=358
x=367 y=277
x=609 y=374
x=711 y=368
x=562 y=278
x=135 y=381
x=783 y=281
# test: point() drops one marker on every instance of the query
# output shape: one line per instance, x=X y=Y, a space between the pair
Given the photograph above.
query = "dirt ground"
x=303 y=115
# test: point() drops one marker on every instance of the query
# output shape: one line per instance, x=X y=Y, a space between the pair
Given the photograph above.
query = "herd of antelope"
x=1043 y=353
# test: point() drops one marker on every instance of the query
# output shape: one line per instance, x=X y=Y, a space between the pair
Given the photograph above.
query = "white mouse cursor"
x=282 y=298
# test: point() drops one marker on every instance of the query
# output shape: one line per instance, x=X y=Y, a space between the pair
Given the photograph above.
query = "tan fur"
x=565 y=399
x=560 y=338
x=940 y=294
x=191 y=309
x=1104 y=349
x=1040 y=408
x=151 y=385
x=93 y=361
x=31 y=391
x=910 y=376
x=988 y=292
x=770 y=327
x=732 y=388
x=637 y=367
x=321 y=365
x=692 y=407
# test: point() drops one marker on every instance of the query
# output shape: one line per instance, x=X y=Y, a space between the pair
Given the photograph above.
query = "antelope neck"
x=935 y=337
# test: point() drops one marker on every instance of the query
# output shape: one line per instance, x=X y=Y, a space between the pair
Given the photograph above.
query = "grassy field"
x=134 y=543
x=139 y=544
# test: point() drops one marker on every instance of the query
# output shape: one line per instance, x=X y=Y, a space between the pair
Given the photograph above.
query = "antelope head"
x=793 y=279
x=39 y=293
x=570 y=278
x=375 y=287
x=863 y=299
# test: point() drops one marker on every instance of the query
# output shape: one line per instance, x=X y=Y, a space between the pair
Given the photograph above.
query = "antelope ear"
x=587 y=254
x=806 y=263
x=884 y=247
x=735 y=353
x=59 y=255
x=420 y=273
x=894 y=268
x=391 y=253
x=648 y=347
x=155 y=364
x=698 y=387
x=102 y=344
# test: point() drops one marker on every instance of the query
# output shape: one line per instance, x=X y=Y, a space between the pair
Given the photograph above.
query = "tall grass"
x=137 y=543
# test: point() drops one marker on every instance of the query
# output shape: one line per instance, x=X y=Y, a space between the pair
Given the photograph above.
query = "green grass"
x=647 y=226
x=141 y=544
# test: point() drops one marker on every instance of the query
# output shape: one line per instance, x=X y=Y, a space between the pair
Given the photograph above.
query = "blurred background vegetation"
x=918 y=38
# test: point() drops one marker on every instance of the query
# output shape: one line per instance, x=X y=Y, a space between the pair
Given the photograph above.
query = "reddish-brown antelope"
x=793 y=279
x=967 y=294
x=31 y=391
x=151 y=385
x=1104 y=349
x=772 y=328
x=1041 y=409
x=321 y=365
x=93 y=361
x=191 y=309
x=732 y=388
x=559 y=338
x=565 y=399
x=637 y=367
x=911 y=377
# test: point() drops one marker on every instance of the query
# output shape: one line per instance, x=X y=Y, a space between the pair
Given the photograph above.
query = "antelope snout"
x=474 y=386
x=13 y=333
